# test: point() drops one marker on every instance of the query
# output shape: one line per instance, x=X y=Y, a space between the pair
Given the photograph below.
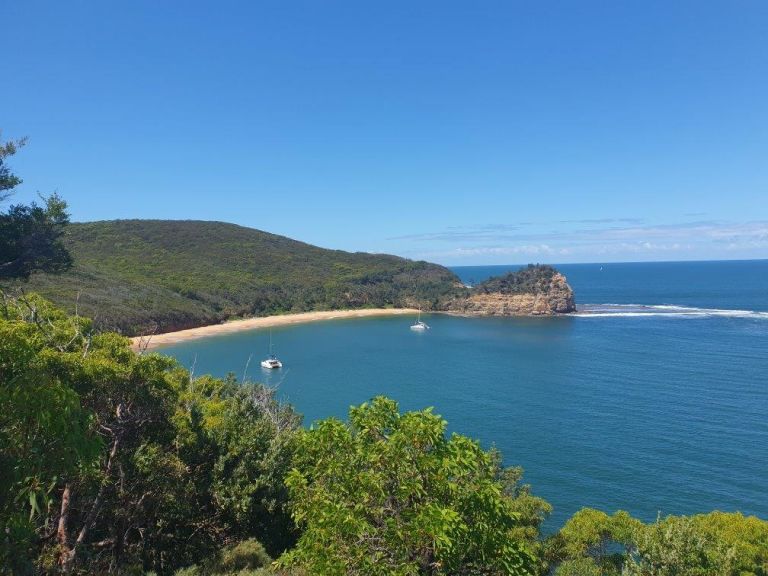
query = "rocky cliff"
x=532 y=291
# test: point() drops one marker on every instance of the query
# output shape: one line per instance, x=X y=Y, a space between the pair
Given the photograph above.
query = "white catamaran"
x=419 y=325
x=272 y=361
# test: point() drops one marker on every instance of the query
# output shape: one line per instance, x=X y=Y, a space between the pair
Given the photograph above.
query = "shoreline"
x=158 y=340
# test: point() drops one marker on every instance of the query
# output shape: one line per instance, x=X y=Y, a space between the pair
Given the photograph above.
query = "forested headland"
x=145 y=276
x=154 y=276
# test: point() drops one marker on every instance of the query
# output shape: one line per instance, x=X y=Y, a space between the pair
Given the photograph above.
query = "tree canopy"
x=714 y=544
x=531 y=279
x=8 y=180
x=111 y=461
x=30 y=236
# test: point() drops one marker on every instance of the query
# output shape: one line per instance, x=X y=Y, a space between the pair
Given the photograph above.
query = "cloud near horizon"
x=619 y=239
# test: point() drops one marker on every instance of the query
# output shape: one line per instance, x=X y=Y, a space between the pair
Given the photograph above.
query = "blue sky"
x=458 y=132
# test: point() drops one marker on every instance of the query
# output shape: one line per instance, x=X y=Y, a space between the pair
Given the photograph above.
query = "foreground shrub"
x=116 y=462
x=714 y=544
x=390 y=493
x=249 y=554
x=247 y=558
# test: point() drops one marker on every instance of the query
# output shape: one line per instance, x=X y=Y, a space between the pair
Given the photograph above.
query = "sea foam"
x=667 y=310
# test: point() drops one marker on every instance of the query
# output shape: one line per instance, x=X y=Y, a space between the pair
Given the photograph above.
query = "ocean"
x=652 y=398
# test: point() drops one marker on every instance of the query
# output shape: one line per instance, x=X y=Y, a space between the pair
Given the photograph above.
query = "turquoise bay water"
x=654 y=398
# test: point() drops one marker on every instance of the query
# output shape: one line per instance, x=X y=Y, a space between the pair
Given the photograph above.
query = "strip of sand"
x=157 y=340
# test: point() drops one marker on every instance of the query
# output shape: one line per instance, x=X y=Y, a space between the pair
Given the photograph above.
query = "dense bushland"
x=140 y=276
x=714 y=544
x=111 y=460
x=532 y=279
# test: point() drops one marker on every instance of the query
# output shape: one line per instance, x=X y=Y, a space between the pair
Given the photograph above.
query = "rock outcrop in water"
x=532 y=291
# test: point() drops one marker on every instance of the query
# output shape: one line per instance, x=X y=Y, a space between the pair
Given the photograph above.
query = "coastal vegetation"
x=148 y=276
x=532 y=279
x=390 y=493
x=145 y=276
x=718 y=543
x=111 y=459
x=123 y=463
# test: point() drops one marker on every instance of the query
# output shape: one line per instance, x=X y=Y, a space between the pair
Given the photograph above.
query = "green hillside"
x=139 y=276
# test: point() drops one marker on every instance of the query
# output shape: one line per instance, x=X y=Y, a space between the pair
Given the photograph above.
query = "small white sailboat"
x=419 y=326
x=271 y=362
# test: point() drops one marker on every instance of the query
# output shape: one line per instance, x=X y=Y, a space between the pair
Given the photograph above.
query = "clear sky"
x=473 y=132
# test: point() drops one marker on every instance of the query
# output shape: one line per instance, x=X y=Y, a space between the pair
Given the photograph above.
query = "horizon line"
x=605 y=262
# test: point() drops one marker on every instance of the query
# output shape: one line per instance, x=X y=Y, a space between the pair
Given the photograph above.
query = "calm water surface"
x=653 y=399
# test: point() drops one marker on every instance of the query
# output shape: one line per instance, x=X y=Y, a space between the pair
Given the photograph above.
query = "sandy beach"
x=158 y=340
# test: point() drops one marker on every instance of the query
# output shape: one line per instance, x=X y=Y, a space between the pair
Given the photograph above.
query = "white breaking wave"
x=668 y=310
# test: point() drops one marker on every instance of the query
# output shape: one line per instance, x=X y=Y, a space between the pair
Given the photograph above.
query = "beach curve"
x=150 y=342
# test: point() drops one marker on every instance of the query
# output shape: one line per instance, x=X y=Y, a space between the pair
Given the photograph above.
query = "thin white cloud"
x=506 y=250
x=699 y=239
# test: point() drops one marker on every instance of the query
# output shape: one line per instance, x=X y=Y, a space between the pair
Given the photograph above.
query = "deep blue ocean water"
x=652 y=399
